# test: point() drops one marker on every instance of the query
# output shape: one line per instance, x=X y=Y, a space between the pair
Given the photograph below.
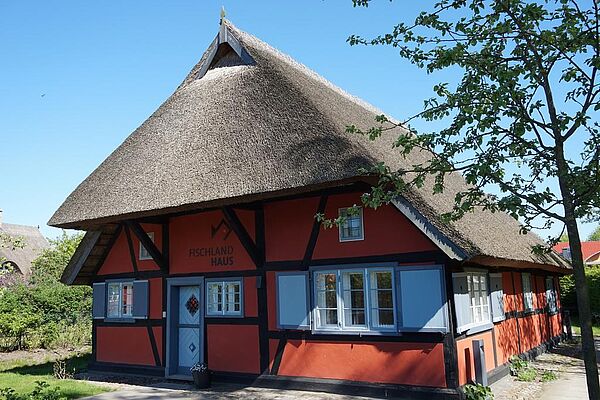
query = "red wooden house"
x=202 y=245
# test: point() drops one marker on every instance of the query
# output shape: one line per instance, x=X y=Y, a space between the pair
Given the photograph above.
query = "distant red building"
x=202 y=245
x=589 y=250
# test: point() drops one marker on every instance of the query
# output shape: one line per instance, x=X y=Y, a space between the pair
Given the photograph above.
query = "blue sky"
x=77 y=77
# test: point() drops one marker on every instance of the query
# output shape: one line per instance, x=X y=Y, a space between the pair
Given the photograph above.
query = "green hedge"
x=567 y=290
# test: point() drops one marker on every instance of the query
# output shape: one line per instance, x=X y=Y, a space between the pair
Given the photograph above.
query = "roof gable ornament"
x=225 y=51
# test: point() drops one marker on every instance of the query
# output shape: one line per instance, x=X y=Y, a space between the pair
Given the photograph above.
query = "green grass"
x=577 y=326
x=21 y=375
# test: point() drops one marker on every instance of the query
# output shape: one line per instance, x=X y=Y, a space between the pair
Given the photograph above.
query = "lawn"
x=577 y=327
x=22 y=374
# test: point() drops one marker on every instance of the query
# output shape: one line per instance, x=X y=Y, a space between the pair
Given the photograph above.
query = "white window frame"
x=341 y=226
x=527 y=295
x=222 y=283
x=144 y=254
x=482 y=294
x=119 y=299
x=554 y=308
x=342 y=325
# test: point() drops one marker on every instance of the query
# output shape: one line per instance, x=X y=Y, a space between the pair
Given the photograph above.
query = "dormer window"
x=352 y=228
x=566 y=253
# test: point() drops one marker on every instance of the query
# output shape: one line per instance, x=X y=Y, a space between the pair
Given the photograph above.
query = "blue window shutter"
x=497 y=295
x=422 y=299
x=293 y=295
x=98 y=300
x=461 y=301
x=140 y=299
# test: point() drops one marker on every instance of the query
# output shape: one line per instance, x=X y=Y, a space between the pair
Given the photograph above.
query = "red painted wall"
x=196 y=239
x=288 y=225
x=118 y=259
x=233 y=348
x=126 y=345
x=386 y=230
x=466 y=364
x=533 y=329
x=400 y=363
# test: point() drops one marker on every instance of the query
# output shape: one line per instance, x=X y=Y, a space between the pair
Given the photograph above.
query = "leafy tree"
x=44 y=307
x=53 y=260
x=7 y=277
x=520 y=121
x=563 y=238
x=595 y=235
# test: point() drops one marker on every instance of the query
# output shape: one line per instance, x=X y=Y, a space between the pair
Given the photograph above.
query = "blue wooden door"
x=189 y=328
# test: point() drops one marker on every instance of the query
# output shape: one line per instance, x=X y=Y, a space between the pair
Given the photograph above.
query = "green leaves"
x=528 y=86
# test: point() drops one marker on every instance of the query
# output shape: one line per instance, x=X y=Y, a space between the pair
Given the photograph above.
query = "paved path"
x=218 y=392
x=566 y=362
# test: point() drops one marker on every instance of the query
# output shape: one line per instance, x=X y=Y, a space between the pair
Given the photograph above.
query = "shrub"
x=548 y=376
x=568 y=297
x=42 y=391
x=478 y=392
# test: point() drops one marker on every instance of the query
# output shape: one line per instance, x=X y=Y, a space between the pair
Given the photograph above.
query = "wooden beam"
x=148 y=244
x=314 y=234
x=131 y=250
x=236 y=225
x=80 y=256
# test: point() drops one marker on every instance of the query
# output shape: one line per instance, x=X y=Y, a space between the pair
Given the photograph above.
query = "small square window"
x=120 y=300
x=224 y=298
x=144 y=255
x=352 y=228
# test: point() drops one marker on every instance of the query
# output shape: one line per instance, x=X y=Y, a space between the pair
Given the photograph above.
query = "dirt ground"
x=39 y=356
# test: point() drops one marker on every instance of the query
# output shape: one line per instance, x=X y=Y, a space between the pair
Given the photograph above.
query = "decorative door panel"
x=188 y=328
x=189 y=347
x=189 y=305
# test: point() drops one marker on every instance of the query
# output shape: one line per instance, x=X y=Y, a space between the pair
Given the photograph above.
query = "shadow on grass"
x=75 y=363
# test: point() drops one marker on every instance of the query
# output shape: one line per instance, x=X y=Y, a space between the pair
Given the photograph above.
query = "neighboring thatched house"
x=20 y=258
x=202 y=245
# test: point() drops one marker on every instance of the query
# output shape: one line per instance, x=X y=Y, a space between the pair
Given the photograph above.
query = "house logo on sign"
x=223 y=229
x=217 y=255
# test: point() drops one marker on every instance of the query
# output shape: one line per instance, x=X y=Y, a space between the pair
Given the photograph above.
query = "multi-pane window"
x=144 y=254
x=327 y=304
x=382 y=299
x=352 y=226
x=478 y=295
x=356 y=299
x=550 y=294
x=224 y=298
x=120 y=300
x=353 y=289
x=527 y=293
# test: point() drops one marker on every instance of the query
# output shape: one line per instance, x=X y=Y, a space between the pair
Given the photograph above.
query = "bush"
x=478 y=392
x=42 y=391
x=568 y=297
x=46 y=312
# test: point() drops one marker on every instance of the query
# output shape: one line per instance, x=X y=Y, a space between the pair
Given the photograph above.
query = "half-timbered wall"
x=255 y=243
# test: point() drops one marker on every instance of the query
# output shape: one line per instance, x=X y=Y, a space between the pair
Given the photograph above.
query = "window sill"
x=128 y=320
x=479 y=328
x=223 y=315
x=355 y=332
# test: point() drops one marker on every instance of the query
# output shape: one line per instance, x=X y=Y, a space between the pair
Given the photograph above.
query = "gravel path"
x=565 y=361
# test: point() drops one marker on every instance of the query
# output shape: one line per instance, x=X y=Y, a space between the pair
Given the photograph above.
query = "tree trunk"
x=585 y=314
x=581 y=287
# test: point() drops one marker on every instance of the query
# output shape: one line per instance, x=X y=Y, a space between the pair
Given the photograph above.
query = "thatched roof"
x=33 y=244
x=249 y=122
